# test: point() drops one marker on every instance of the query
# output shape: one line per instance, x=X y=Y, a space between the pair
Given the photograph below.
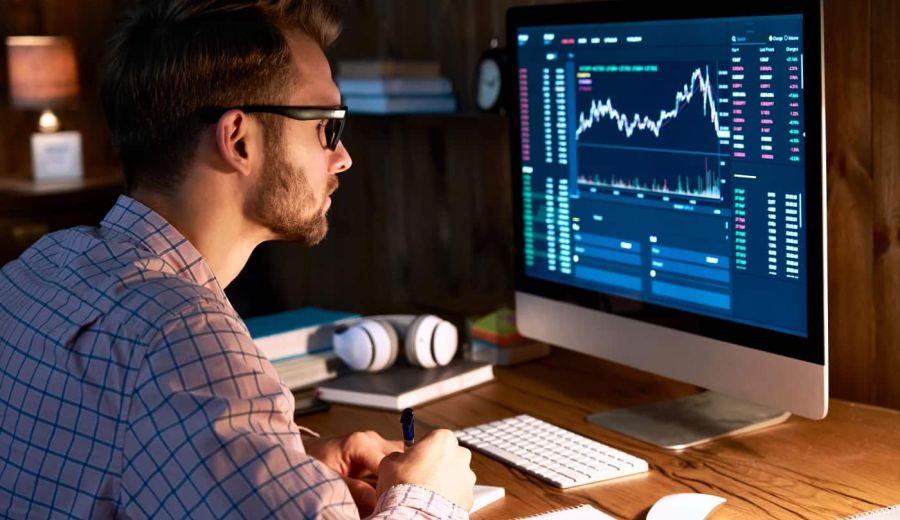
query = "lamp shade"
x=42 y=71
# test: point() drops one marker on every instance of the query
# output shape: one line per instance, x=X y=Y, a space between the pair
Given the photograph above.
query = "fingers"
x=387 y=466
x=438 y=463
x=366 y=449
x=385 y=446
x=466 y=455
x=363 y=495
x=316 y=446
x=441 y=435
x=392 y=446
x=391 y=457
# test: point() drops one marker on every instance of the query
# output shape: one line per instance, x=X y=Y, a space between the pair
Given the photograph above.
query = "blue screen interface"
x=664 y=162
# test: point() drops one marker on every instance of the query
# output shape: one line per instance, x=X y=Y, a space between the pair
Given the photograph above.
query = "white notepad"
x=886 y=513
x=485 y=495
x=582 y=512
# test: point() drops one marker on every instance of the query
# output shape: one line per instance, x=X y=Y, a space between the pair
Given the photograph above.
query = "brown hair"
x=172 y=60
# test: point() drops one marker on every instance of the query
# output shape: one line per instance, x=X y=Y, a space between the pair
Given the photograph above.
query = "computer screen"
x=668 y=168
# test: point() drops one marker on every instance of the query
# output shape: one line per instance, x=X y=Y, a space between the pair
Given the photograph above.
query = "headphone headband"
x=427 y=340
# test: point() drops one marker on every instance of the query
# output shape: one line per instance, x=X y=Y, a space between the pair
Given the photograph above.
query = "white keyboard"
x=560 y=457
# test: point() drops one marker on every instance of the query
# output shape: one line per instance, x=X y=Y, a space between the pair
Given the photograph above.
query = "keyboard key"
x=560 y=457
x=510 y=458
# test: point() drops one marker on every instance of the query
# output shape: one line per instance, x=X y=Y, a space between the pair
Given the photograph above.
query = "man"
x=128 y=385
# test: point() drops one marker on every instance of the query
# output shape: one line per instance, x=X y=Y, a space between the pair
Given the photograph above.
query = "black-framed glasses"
x=335 y=118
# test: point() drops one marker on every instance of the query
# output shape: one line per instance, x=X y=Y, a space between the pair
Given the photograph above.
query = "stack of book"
x=298 y=343
x=394 y=87
x=495 y=339
x=403 y=386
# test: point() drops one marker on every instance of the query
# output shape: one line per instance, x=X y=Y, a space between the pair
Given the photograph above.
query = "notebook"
x=298 y=343
x=296 y=333
x=404 y=386
x=485 y=495
x=885 y=513
x=582 y=512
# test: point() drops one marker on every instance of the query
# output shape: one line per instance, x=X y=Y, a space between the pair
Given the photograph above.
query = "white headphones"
x=373 y=344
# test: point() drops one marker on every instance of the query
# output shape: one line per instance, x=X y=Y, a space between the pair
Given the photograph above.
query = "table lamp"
x=43 y=76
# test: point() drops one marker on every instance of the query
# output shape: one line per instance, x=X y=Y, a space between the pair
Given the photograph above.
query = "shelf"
x=453 y=116
x=29 y=187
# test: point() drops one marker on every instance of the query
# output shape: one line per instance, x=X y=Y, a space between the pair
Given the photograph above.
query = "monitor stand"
x=689 y=421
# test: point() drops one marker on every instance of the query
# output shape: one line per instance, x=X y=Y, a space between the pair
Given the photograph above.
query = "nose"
x=340 y=159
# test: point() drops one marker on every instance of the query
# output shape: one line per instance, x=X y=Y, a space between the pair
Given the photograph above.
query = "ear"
x=233 y=140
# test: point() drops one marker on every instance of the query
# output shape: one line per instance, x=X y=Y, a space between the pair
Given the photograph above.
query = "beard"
x=284 y=201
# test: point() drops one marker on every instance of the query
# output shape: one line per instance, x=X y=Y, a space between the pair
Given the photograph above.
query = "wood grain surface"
x=886 y=203
x=841 y=465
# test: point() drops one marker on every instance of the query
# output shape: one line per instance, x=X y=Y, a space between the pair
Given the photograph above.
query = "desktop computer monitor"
x=669 y=191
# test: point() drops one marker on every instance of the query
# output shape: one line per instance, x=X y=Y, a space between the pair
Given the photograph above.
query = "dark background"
x=423 y=219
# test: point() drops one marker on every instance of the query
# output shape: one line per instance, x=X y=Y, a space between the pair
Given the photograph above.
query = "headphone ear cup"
x=353 y=346
x=444 y=343
x=409 y=340
x=393 y=342
x=430 y=341
x=366 y=345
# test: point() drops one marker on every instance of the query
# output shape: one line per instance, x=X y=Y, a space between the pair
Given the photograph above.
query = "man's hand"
x=354 y=456
x=437 y=462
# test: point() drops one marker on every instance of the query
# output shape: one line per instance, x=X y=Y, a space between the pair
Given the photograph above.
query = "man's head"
x=174 y=69
x=293 y=194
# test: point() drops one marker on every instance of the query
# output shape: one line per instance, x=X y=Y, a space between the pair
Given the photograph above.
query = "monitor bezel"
x=811 y=348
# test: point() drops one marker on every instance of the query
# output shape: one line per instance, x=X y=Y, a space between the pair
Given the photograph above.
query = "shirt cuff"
x=425 y=500
x=307 y=431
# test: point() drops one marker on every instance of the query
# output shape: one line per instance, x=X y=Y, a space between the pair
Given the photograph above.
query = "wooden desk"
x=846 y=463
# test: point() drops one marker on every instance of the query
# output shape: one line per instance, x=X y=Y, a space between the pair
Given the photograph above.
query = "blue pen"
x=409 y=428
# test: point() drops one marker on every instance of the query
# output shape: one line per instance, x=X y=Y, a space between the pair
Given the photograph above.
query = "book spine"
x=388 y=68
x=400 y=104
x=308 y=371
x=496 y=337
x=380 y=86
x=497 y=355
x=333 y=395
x=409 y=398
x=299 y=342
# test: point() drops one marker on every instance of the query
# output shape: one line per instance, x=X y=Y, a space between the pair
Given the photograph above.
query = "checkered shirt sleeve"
x=210 y=434
x=130 y=388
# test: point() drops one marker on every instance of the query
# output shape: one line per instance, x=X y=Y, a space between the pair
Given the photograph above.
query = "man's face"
x=299 y=174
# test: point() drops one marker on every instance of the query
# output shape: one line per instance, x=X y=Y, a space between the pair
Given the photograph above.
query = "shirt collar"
x=149 y=230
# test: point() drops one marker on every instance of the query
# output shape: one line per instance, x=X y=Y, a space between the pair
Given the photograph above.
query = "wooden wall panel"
x=386 y=196
x=354 y=268
x=423 y=218
x=886 y=203
x=849 y=140
x=471 y=225
x=454 y=32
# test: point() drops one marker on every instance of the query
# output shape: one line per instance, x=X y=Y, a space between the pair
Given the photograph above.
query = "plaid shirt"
x=130 y=387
